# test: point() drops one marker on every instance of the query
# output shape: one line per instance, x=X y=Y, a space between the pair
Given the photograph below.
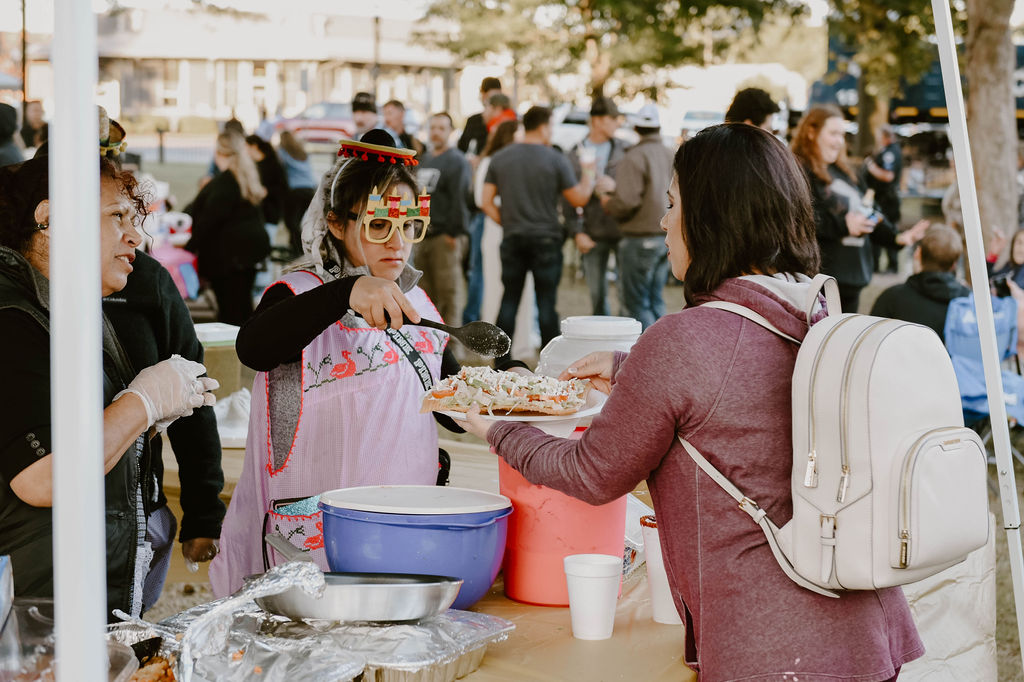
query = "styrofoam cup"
x=663 y=607
x=593 y=582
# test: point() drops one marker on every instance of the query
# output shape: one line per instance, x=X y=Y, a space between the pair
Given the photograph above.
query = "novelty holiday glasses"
x=385 y=215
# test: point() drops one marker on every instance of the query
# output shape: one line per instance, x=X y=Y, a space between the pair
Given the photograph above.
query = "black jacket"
x=153 y=323
x=851 y=265
x=227 y=231
x=475 y=129
x=26 y=532
x=922 y=299
x=274 y=180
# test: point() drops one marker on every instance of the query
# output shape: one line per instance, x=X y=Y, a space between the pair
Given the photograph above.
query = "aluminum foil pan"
x=208 y=648
x=312 y=659
x=436 y=650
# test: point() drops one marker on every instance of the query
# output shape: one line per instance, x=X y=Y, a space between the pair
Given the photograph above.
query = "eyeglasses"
x=381 y=230
x=383 y=219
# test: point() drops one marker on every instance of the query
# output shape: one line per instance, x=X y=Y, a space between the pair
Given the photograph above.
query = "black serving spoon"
x=483 y=338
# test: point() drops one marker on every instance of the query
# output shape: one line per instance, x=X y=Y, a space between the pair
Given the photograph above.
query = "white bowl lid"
x=415 y=499
x=601 y=327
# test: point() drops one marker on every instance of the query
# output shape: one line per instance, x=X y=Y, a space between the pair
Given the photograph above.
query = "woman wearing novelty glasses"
x=336 y=402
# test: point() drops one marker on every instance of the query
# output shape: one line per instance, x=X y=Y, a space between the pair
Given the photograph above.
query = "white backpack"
x=888 y=486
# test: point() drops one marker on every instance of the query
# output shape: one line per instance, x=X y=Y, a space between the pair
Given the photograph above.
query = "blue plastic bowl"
x=468 y=545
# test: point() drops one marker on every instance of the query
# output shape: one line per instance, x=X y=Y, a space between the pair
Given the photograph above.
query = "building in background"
x=180 y=65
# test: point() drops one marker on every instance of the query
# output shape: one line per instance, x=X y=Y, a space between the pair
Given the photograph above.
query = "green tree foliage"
x=622 y=39
x=892 y=43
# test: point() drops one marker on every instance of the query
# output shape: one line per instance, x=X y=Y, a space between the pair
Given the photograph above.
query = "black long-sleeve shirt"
x=153 y=323
x=284 y=323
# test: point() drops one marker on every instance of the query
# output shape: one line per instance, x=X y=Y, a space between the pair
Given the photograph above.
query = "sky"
x=40 y=14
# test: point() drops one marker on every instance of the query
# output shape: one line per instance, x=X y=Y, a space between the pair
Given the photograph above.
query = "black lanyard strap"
x=413 y=355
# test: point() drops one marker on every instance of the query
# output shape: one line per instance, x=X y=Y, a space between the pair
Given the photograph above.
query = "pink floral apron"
x=349 y=415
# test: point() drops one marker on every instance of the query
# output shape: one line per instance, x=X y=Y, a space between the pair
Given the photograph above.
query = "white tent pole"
x=982 y=300
x=79 y=552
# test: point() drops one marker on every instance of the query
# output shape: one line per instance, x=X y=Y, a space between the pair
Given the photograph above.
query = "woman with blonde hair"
x=228 y=236
x=845 y=229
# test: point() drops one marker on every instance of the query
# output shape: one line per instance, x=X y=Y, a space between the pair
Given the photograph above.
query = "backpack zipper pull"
x=904 y=547
x=844 y=484
x=811 y=475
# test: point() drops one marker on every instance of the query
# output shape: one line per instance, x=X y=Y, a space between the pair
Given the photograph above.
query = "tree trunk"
x=872 y=114
x=600 y=67
x=991 y=119
x=867 y=103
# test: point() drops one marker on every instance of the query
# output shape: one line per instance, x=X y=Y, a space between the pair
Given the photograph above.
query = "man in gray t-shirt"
x=530 y=177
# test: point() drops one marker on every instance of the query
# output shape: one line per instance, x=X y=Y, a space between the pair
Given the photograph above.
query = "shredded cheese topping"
x=504 y=392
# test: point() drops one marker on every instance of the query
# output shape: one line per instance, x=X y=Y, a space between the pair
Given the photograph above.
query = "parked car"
x=696 y=120
x=321 y=123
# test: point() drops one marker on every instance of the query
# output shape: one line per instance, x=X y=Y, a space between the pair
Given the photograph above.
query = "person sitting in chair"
x=924 y=298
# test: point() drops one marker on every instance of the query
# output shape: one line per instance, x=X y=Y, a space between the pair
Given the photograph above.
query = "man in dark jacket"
x=596 y=233
x=925 y=296
x=474 y=135
x=153 y=323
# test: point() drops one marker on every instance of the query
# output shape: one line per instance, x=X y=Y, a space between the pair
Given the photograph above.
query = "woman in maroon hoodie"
x=739 y=228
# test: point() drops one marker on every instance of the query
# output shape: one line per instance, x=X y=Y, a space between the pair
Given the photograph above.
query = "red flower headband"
x=376 y=152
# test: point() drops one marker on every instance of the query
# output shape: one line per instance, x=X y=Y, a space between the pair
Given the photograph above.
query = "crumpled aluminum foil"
x=436 y=650
x=233 y=639
x=208 y=630
x=207 y=635
x=431 y=644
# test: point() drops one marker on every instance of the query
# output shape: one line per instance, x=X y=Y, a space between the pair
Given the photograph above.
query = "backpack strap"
x=751 y=315
x=759 y=516
x=831 y=289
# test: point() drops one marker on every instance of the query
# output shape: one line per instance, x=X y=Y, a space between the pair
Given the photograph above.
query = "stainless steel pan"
x=362 y=597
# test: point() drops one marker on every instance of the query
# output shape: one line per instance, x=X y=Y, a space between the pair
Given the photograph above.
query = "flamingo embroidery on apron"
x=347 y=414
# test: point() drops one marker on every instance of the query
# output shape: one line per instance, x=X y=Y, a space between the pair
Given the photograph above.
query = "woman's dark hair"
x=356 y=179
x=265 y=147
x=25 y=185
x=746 y=208
x=502 y=136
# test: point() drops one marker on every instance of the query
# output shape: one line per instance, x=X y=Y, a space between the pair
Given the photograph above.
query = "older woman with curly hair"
x=133 y=402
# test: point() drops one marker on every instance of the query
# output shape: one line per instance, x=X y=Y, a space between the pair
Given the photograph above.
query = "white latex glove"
x=171 y=389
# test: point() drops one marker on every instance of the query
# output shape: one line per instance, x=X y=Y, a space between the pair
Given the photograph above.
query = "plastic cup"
x=593 y=582
x=663 y=607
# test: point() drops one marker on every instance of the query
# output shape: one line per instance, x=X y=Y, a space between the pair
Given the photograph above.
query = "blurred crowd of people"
x=459 y=227
x=505 y=200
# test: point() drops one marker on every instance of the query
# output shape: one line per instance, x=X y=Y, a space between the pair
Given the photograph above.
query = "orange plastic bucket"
x=545 y=527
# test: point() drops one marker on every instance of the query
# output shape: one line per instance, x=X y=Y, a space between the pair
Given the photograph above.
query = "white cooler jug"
x=586 y=334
